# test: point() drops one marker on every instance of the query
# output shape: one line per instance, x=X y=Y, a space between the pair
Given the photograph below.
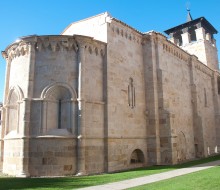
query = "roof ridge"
x=106 y=12
x=113 y=18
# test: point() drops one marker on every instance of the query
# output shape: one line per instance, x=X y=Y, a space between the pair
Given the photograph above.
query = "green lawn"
x=79 y=182
x=202 y=180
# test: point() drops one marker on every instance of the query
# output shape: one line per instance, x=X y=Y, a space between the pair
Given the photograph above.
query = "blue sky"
x=42 y=17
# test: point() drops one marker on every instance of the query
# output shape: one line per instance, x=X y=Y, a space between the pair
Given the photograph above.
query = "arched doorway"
x=137 y=156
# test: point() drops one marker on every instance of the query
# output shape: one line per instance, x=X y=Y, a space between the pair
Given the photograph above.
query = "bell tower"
x=196 y=37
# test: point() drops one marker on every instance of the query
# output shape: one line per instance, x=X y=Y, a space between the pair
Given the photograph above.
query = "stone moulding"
x=53 y=137
x=92 y=46
x=18 y=91
x=95 y=102
x=132 y=35
x=16 y=50
x=198 y=65
x=53 y=43
x=51 y=87
x=56 y=44
x=176 y=53
x=203 y=68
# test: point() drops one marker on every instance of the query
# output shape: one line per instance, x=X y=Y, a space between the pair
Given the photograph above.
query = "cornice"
x=53 y=43
x=17 y=49
x=91 y=45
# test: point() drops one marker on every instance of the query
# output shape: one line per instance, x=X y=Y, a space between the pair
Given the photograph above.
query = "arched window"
x=13 y=112
x=59 y=108
x=137 y=156
x=15 y=95
x=131 y=93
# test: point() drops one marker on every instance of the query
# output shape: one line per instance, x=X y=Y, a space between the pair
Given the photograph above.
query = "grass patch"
x=202 y=180
x=80 y=182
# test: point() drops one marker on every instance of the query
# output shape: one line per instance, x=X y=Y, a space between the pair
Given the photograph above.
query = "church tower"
x=196 y=37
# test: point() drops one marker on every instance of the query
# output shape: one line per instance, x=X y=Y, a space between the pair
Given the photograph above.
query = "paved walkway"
x=152 y=178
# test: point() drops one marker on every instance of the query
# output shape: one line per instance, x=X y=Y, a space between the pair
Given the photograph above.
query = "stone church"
x=104 y=97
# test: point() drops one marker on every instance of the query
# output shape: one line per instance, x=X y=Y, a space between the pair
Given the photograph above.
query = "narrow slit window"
x=205 y=97
x=131 y=94
x=59 y=113
x=218 y=85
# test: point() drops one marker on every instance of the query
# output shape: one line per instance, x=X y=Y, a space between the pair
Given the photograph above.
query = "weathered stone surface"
x=104 y=97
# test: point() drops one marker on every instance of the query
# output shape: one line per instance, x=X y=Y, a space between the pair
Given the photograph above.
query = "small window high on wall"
x=131 y=93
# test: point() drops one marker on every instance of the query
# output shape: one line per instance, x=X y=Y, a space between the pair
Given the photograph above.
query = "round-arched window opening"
x=59 y=108
x=137 y=156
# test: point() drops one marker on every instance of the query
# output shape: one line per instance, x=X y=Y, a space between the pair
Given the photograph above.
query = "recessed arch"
x=50 y=88
x=13 y=109
x=137 y=156
x=15 y=89
x=59 y=108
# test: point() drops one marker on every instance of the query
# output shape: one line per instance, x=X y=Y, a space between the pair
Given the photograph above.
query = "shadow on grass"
x=7 y=183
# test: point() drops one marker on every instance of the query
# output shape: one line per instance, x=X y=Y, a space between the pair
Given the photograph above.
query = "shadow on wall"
x=85 y=181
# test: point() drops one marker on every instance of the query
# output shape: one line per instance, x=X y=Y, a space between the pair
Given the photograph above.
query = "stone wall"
x=205 y=51
x=94 y=107
x=205 y=112
x=188 y=97
x=55 y=78
x=177 y=105
x=124 y=117
x=43 y=104
x=126 y=96
x=216 y=89
x=15 y=149
x=75 y=105
x=52 y=156
x=212 y=54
